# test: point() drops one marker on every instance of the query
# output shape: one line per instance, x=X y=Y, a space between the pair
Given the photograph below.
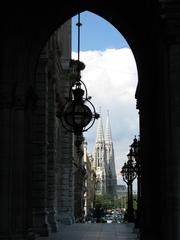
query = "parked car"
x=109 y=218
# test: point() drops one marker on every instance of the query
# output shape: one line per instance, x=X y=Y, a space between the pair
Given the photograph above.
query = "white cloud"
x=111 y=79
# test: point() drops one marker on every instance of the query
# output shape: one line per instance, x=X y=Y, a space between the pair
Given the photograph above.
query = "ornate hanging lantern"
x=79 y=113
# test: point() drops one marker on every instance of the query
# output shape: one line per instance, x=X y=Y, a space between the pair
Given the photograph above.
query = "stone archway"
x=155 y=45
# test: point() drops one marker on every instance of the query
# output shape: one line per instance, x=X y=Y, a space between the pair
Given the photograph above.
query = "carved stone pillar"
x=79 y=179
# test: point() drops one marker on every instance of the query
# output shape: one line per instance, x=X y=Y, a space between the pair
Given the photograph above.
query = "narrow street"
x=95 y=231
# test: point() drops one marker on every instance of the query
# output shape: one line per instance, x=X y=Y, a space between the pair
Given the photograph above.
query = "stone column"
x=159 y=106
x=64 y=161
x=39 y=152
x=150 y=103
x=51 y=166
x=171 y=183
x=14 y=173
x=6 y=159
x=79 y=178
x=65 y=183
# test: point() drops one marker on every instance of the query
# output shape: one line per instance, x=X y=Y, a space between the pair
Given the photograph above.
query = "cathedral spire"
x=104 y=159
x=100 y=132
x=108 y=135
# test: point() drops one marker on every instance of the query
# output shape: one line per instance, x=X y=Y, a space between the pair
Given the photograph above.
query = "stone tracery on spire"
x=100 y=131
x=108 y=135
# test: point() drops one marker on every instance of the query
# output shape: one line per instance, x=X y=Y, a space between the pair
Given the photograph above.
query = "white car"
x=109 y=220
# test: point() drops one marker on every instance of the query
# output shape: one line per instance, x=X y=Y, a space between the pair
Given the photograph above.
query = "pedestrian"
x=125 y=219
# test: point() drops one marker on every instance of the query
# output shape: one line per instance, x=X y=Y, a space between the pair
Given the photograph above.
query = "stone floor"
x=95 y=231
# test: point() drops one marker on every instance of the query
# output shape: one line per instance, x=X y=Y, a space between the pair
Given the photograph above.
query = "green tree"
x=105 y=200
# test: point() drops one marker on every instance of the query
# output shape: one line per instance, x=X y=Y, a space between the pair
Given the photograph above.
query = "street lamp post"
x=136 y=152
x=129 y=174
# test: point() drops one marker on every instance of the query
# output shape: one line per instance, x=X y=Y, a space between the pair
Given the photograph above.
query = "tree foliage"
x=105 y=200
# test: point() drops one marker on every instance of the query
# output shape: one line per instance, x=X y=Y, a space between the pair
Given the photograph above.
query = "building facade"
x=52 y=145
x=57 y=160
x=90 y=181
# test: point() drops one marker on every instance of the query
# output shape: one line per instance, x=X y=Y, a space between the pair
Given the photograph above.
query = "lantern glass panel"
x=77 y=114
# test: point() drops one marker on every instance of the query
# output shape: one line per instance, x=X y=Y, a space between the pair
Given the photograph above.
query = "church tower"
x=104 y=160
x=111 y=171
x=100 y=159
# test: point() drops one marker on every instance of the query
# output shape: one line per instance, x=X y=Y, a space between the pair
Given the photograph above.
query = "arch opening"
x=57 y=68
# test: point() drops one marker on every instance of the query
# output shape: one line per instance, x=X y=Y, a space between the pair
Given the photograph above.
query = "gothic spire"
x=100 y=132
x=108 y=135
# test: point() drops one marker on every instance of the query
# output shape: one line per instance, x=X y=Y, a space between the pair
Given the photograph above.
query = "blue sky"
x=96 y=33
x=111 y=79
